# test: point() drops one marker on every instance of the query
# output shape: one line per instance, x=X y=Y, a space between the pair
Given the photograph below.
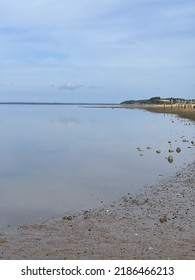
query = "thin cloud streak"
x=70 y=86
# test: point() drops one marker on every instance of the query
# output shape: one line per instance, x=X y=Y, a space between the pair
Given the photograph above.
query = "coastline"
x=155 y=224
x=187 y=112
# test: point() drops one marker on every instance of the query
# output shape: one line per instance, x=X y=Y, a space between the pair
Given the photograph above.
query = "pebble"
x=163 y=219
x=178 y=149
x=67 y=218
x=170 y=159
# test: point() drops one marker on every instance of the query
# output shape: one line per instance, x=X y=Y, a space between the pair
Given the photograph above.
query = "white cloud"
x=70 y=86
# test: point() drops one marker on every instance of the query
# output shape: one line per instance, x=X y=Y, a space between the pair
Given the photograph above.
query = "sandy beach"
x=157 y=223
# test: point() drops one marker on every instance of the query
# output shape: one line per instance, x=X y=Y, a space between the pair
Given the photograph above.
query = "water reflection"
x=55 y=160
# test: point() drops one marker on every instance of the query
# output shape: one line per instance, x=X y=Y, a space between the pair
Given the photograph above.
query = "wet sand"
x=155 y=224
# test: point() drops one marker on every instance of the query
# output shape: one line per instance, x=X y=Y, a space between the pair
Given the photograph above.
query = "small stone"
x=158 y=151
x=170 y=159
x=163 y=219
x=3 y=240
x=67 y=218
x=178 y=149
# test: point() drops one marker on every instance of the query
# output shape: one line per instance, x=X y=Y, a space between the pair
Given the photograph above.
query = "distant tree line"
x=159 y=100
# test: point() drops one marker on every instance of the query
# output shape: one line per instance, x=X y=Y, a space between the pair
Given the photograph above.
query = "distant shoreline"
x=187 y=112
x=55 y=103
x=183 y=111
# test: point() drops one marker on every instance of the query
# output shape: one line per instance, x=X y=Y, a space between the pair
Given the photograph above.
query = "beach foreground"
x=155 y=224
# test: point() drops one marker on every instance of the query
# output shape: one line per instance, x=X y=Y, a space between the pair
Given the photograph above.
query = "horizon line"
x=54 y=103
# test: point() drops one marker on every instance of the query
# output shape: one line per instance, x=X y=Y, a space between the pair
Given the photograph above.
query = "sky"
x=96 y=50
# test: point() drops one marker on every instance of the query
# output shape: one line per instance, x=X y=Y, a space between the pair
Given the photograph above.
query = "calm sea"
x=55 y=160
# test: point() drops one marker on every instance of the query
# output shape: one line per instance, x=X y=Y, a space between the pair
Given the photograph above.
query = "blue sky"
x=96 y=50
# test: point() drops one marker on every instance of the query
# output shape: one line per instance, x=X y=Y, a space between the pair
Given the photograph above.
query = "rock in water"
x=170 y=159
x=178 y=150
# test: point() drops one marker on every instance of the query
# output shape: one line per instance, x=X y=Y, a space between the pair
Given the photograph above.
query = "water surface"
x=59 y=159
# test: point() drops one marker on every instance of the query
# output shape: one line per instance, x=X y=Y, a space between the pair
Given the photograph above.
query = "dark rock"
x=178 y=149
x=170 y=159
x=67 y=218
x=163 y=219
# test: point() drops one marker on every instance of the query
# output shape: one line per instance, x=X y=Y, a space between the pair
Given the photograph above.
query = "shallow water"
x=59 y=159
